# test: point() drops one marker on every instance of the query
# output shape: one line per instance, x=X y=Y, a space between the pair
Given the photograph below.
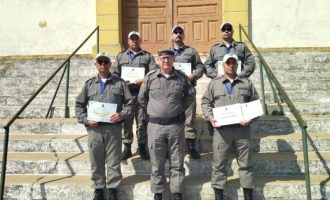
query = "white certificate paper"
x=226 y=115
x=234 y=114
x=184 y=67
x=252 y=109
x=132 y=74
x=220 y=67
x=100 y=112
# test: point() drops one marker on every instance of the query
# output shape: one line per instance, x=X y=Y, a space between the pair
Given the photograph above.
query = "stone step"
x=77 y=187
x=58 y=111
x=36 y=111
x=277 y=164
x=297 y=56
x=265 y=143
x=265 y=124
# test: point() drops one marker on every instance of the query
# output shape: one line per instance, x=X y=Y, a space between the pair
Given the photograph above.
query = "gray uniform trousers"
x=228 y=139
x=104 y=144
x=141 y=134
x=190 y=112
x=160 y=139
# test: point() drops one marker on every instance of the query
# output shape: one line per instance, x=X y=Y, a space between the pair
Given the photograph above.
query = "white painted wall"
x=38 y=27
x=290 y=23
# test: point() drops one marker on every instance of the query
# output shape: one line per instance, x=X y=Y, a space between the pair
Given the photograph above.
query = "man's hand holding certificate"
x=236 y=113
x=101 y=112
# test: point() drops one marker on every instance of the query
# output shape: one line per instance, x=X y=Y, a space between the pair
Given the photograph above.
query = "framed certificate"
x=132 y=74
x=184 y=67
x=100 y=112
x=220 y=67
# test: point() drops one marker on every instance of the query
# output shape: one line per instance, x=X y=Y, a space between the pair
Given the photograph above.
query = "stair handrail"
x=287 y=100
x=6 y=127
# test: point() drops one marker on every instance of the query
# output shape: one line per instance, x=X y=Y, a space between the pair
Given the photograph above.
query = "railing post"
x=263 y=88
x=4 y=162
x=98 y=39
x=67 y=111
x=306 y=164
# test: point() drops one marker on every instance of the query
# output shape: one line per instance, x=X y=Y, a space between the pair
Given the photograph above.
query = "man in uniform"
x=166 y=93
x=134 y=56
x=186 y=54
x=222 y=91
x=104 y=139
x=226 y=46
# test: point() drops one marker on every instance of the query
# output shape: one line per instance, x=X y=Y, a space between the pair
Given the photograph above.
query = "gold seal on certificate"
x=234 y=114
x=100 y=112
x=184 y=67
x=132 y=74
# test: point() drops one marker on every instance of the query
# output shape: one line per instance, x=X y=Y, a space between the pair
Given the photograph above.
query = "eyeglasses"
x=106 y=62
x=178 y=32
x=226 y=29
x=166 y=57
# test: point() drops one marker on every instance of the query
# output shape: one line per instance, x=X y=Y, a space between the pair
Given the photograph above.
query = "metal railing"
x=283 y=95
x=66 y=70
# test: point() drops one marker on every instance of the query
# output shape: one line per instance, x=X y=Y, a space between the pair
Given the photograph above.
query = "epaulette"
x=151 y=72
x=216 y=44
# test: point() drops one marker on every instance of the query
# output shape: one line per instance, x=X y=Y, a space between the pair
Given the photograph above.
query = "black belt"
x=167 y=121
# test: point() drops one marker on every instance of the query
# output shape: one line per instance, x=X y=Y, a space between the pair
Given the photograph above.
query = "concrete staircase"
x=48 y=158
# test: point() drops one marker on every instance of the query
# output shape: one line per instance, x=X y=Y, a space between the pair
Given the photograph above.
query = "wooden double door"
x=154 y=19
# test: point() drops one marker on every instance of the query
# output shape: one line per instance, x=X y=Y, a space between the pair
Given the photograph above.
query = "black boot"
x=127 y=153
x=98 y=194
x=191 y=149
x=143 y=152
x=248 y=193
x=158 y=196
x=112 y=194
x=176 y=196
x=218 y=194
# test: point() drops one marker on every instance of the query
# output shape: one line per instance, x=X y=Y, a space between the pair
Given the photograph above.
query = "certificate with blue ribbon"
x=100 y=111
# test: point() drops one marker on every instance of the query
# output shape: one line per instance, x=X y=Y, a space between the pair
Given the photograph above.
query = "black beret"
x=168 y=52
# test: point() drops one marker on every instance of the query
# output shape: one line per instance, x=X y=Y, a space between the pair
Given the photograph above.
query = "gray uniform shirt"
x=216 y=94
x=115 y=91
x=187 y=54
x=218 y=51
x=142 y=59
x=165 y=97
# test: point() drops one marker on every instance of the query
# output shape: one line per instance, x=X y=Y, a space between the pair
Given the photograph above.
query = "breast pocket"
x=116 y=96
x=245 y=95
x=178 y=90
x=92 y=96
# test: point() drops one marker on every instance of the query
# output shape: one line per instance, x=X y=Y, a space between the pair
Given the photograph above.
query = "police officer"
x=227 y=90
x=104 y=139
x=187 y=54
x=134 y=56
x=166 y=93
x=226 y=46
